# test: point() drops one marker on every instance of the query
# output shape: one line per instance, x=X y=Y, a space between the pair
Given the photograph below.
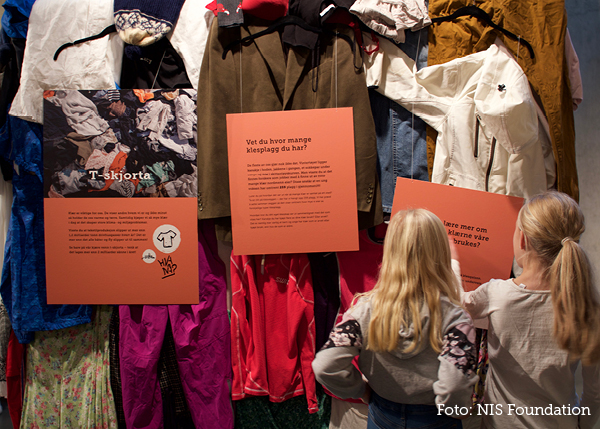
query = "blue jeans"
x=384 y=414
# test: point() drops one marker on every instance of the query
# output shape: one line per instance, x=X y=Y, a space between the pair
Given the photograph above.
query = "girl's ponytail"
x=575 y=301
x=552 y=223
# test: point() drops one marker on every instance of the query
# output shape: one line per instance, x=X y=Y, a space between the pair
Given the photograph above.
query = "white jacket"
x=489 y=133
x=91 y=65
x=95 y=64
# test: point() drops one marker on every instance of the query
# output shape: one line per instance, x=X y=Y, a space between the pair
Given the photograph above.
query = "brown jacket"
x=543 y=25
x=273 y=79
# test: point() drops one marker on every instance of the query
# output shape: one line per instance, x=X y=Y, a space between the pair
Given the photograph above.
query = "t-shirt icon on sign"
x=166 y=238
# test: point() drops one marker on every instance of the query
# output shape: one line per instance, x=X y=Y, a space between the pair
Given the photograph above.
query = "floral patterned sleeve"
x=333 y=366
x=458 y=362
x=346 y=334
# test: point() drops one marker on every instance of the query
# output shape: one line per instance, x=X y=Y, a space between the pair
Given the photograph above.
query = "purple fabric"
x=202 y=345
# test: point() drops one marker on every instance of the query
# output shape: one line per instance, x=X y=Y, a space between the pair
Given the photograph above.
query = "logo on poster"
x=149 y=256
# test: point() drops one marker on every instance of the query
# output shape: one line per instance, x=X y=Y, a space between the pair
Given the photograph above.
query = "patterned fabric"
x=346 y=334
x=170 y=381
x=459 y=350
x=67 y=380
x=144 y=22
x=5 y=329
x=115 y=374
x=482 y=367
x=259 y=413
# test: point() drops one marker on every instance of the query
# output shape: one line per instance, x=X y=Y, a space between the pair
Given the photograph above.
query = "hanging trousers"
x=202 y=345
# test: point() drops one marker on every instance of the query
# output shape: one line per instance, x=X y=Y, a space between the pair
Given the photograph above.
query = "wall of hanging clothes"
x=477 y=95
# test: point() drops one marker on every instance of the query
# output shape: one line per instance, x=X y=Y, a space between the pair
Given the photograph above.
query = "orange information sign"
x=120 y=197
x=480 y=223
x=121 y=251
x=292 y=181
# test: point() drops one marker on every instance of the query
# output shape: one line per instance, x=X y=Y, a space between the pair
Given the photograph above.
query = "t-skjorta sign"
x=292 y=181
x=120 y=197
x=481 y=224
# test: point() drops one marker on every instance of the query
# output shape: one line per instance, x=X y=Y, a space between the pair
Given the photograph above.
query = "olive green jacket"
x=277 y=77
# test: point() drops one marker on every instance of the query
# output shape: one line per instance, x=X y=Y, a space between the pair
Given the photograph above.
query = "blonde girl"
x=542 y=324
x=413 y=340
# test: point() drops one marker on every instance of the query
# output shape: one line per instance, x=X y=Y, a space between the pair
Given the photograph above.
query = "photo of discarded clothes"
x=120 y=143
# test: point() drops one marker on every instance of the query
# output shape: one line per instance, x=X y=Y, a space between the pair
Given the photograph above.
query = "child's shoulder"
x=453 y=313
x=496 y=285
x=361 y=305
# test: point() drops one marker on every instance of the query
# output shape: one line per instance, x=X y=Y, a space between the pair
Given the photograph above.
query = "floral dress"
x=67 y=378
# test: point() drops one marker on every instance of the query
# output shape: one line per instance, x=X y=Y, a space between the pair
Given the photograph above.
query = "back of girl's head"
x=415 y=269
x=553 y=223
x=549 y=218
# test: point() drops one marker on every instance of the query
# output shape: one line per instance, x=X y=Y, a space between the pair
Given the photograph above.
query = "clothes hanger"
x=485 y=17
x=108 y=30
x=282 y=22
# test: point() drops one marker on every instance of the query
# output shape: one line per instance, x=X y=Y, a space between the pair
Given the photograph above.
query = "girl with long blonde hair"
x=542 y=324
x=413 y=340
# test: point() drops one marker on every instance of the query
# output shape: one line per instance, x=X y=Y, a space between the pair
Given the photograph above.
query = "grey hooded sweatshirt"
x=422 y=376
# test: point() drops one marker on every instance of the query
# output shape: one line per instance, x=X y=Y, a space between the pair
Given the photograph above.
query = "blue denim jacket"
x=401 y=136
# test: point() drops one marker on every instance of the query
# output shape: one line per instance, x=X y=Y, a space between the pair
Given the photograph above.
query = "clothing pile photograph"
x=120 y=143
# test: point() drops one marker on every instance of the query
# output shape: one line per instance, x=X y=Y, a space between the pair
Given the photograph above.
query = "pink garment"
x=574 y=72
x=202 y=345
x=273 y=328
x=359 y=270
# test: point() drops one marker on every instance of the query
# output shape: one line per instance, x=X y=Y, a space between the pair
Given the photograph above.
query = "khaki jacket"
x=273 y=79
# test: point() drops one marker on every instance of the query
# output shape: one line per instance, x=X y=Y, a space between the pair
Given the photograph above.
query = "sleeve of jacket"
x=392 y=73
x=217 y=96
x=333 y=363
x=304 y=331
x=458 y=361
x=240 y=329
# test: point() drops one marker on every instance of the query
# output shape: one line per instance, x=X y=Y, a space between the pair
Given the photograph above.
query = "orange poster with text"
x=292 y=181
x=121 y=251
x=120 y=196
x=481 y=224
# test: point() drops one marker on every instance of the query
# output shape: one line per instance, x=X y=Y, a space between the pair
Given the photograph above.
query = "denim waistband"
x=404 y=409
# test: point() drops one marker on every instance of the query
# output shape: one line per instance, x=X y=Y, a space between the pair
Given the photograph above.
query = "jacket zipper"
x=476 y=150
x=489 y=169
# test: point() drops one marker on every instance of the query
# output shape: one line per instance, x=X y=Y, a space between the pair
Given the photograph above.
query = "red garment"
x=359 y=270
x=264 y=9
x=272 y=328
x=14 y=363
